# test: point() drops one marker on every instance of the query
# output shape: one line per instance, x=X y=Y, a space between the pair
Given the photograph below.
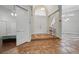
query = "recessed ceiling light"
x=12 y=14
x=15 y=14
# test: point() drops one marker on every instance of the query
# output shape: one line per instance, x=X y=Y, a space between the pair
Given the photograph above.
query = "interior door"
x=23 y=25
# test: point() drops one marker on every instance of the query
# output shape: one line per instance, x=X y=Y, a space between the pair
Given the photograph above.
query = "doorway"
x=40 y=22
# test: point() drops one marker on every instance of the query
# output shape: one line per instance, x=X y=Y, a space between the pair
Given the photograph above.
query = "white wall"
x=58 y=24
x=7 y=22
x=70 y=20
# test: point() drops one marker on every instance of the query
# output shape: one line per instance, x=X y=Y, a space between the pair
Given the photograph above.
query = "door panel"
x=11 y=28
x=23 y=26
x=2 y=28
x=43 y=24
x=36 y=25
x=40 y=25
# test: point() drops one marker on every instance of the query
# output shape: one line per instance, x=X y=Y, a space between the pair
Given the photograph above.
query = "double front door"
x=40 y=25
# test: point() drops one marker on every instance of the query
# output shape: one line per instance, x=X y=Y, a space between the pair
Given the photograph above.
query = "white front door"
x=23 y=25
x=43 y=24
x=40 y=25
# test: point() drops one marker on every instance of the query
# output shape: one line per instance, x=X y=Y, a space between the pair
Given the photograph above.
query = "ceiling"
x=69 y=8
x=50 y=8
x=9 y=7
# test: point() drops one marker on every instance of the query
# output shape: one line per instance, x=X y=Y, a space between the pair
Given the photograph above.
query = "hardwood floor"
x=8 y=44
x=47 y=46
x=43 y=36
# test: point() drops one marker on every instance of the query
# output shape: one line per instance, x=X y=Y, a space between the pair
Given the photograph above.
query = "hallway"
x=48 y=46
x=39 y=29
